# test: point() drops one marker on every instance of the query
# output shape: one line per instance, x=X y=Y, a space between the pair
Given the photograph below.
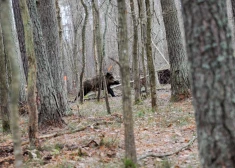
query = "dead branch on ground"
x=169 y=154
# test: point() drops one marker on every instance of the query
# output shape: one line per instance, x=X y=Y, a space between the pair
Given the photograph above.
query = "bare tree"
x=142 y=16
x=209 y=46
x=130 y=151
x=135 y=55
x=32 y=74
x=104 y=55
x=83 y=50
x=98 y=42
x=177 y=53
x=10 y=47
x=152 y=77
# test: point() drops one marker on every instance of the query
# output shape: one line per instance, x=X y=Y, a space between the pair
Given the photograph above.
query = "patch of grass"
x=140 y=113
x=129 y=163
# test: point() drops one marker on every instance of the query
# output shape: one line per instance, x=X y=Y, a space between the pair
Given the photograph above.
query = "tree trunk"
x=130 y=151
x=94 y=41
x=32 y=75
x=47 y=11
x=83 y=50
x=152 y=77
x=59 y=20
x=104 y=55
x=98 y=43
x=141 y=5
x=231 y=15
x=10 y=47
x=135 y=56
x=22 y=58
x=209 y=46
x=50 y=113
x=20 y=33
x=177 y=53
x=4 y=87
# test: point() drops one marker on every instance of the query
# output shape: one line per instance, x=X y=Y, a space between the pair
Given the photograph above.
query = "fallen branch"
x=60 y=133
x=169 y=154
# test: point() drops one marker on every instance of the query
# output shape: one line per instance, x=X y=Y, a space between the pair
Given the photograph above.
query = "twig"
x=115 y=61
x=160 y=53
x=169 y=154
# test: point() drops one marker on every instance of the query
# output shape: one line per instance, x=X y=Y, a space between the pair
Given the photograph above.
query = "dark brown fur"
x=93 y=84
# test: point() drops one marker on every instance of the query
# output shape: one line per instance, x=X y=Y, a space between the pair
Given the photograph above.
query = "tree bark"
x=32 y=75
x=94 y=40
x=104 y=55
x=10 y=47
x=98 y=43
x=83 y=50
x=209 y=46
x=141 y=5
x=130 y=151
x=4 y=87
x=22 y=58
x=20 y=33
x=152 y=77
x=48 y=19
x=177 y=52
x=50 y=113
x=135 y=55
x=231 y=15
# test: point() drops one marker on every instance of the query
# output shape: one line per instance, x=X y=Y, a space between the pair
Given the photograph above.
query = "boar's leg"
x=110 y=91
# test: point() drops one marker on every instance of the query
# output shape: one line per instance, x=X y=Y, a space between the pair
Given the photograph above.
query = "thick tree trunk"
x=152 y=77
x=231 y=17
x=209 y=46
x=177 y=53
x=10 y=46
x=135 y=55
x=49 y=110
x=48 y=18
x=130 y=151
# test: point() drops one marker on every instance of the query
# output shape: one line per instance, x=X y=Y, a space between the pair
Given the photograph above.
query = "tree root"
x=169 y=154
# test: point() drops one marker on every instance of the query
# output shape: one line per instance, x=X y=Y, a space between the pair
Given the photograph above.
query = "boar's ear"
x=108 y=74
x=110 y=68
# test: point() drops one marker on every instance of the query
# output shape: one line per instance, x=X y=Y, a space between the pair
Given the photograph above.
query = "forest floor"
x=94 y=139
